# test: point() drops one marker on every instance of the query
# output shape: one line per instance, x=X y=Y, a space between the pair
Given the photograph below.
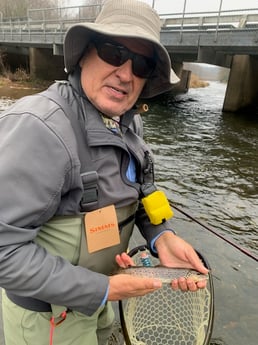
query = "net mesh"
x=168 y=317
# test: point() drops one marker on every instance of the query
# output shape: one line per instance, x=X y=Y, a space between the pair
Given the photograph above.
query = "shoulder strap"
x=89 y=177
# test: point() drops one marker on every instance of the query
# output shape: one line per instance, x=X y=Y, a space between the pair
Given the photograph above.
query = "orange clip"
x=53 y=324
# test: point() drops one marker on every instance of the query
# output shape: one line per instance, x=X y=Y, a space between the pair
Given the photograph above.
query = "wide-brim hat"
x=124 y=18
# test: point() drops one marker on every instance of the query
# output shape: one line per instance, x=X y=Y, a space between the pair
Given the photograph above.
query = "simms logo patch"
x=103 y=227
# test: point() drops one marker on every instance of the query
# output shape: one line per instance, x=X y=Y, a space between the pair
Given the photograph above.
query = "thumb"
x=198 y=264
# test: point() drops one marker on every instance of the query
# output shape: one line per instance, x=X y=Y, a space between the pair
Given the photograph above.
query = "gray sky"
x=169 y=6
x=176 y=6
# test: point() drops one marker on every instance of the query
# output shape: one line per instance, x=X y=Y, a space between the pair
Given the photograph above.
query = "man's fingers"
x=188 y=284
x=124 y=260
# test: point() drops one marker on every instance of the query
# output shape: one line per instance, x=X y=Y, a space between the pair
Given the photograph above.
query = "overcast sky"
x=169 y=6
x=176 y=6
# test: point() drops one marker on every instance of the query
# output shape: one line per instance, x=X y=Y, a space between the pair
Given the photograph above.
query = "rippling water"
x=207 y=162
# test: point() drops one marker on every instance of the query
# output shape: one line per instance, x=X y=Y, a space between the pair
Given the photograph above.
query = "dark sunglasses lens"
x=110 y=54
x=118 y=55
x=143 y=66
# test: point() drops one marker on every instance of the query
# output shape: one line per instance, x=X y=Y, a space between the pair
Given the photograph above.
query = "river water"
x=206 y=161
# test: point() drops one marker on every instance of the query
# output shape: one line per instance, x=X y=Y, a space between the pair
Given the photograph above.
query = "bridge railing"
x=75 y=13
x=213 y=21
x=229 y=19
x=49 y=19
x=56 y=21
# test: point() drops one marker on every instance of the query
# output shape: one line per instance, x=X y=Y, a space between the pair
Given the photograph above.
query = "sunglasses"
x=116 y=55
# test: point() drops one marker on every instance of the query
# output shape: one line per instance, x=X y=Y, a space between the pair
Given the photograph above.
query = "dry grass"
x=17 y=89
x=19 y=79
x=196 y=82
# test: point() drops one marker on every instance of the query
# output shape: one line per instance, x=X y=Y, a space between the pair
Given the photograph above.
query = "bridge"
x=224 y=38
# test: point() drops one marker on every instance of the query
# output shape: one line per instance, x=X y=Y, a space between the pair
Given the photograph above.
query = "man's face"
x=113 y=90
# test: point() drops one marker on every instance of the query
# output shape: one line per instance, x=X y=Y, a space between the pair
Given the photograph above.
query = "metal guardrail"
x=202 y=20
x=214 y=21
x=48 y=25
x=45 y=25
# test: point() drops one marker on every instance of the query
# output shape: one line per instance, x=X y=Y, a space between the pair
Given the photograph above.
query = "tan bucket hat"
x=124 y=18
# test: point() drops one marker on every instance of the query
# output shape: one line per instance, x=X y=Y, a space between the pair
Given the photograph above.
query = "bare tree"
x=18 y=8
x=88 y=9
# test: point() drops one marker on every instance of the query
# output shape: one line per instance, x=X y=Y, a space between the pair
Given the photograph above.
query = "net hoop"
x=132 y=310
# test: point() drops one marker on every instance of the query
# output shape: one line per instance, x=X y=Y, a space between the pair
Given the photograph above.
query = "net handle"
x=140 y=248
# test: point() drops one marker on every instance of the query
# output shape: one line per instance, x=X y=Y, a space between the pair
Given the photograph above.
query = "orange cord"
x=53 y=324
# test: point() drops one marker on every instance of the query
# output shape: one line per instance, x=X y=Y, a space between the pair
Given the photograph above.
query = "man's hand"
x=124 y=286
x=173 y=251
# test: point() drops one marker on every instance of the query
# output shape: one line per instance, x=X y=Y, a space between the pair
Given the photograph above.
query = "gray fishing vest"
x=65 y=235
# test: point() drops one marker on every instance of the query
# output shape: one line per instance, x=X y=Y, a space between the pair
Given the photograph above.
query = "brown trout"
x=163 y=273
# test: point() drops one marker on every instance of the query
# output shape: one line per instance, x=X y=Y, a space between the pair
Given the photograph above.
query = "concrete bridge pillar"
x=44 y=65
x=184 y=76
x=242 y=88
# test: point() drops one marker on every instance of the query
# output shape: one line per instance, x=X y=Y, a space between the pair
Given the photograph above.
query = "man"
x=73 y=174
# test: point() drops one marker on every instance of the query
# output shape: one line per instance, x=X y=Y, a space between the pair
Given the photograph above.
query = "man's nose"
x=125 y=71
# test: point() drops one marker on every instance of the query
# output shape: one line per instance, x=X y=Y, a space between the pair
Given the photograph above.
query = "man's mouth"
x=120 y=91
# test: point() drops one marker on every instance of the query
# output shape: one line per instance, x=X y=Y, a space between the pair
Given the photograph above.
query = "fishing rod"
x=243 y=250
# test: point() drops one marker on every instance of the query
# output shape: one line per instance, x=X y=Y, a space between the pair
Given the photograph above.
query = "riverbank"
x=25 y=86
x=196 y=82
x=19 y=88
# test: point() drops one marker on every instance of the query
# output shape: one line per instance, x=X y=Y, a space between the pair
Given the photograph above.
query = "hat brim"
x=78 y=37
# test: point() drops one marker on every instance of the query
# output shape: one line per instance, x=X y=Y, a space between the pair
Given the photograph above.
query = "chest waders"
x=27 y=320
x=65 y=236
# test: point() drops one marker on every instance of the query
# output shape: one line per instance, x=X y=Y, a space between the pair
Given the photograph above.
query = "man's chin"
x=112 y=110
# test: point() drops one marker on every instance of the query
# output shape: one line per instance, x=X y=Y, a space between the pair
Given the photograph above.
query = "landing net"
x=168 y=317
